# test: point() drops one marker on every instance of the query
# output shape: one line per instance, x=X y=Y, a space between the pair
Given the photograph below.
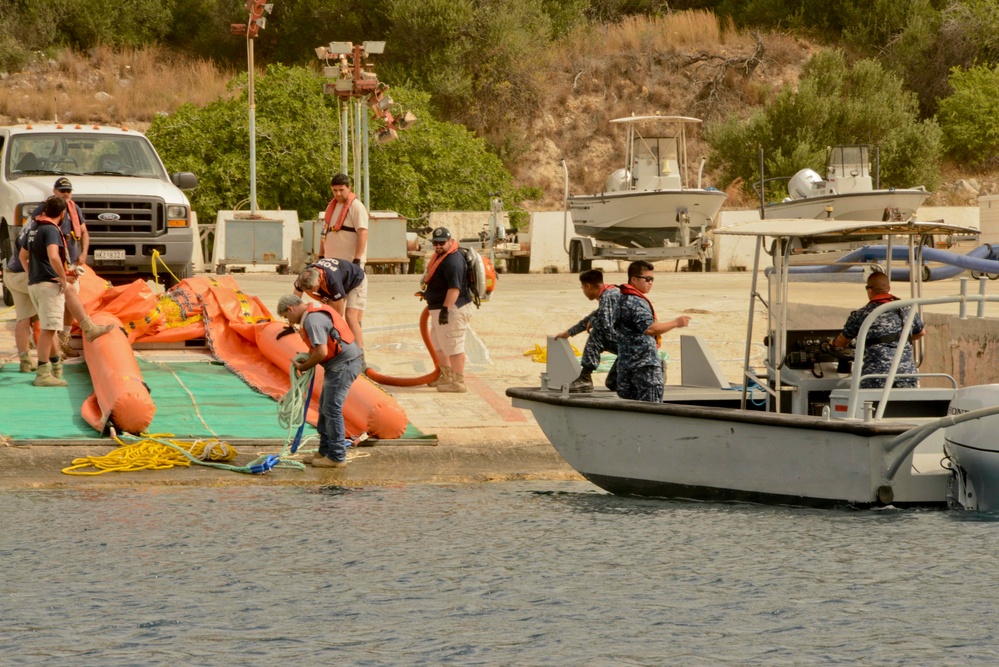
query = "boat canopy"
x=647 y=119
x=797 y=228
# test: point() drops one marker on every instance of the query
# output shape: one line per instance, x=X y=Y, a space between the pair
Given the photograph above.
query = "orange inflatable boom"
x=120 y=396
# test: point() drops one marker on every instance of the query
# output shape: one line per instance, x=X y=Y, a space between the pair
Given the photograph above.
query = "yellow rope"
x=540 y=354
x=156 y=277
x=148 y=454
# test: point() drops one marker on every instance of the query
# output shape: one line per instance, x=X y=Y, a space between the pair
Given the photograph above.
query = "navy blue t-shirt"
x=451 y=273
x=341 y=277
x=39 y=239
x=73 y=246
x=14 y=262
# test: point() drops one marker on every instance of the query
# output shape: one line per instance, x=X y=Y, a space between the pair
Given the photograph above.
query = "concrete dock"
x=481 y=437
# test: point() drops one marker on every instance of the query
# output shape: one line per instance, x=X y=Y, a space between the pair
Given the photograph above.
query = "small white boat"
x=847 y=193
x=649 y=202
x=800 y=431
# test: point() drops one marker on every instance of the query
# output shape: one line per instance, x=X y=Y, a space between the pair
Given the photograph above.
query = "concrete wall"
x=464 y=224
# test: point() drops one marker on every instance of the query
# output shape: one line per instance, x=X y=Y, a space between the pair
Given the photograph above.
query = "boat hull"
x=852 y=206
x=645 y=219
x=720 y=454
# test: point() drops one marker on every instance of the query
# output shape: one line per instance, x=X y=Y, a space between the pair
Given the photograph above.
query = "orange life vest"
x=450 y=248
x=333 y=347
x=74 y=218
x=628 y=289
x=328 y=216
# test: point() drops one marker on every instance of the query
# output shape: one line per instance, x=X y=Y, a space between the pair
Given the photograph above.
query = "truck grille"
x=136 y=217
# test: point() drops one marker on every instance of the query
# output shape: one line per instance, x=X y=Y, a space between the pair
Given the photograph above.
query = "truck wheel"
x=575 y=256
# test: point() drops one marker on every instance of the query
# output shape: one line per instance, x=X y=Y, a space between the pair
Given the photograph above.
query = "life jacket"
x=627 y=290
x=450 y=247
x=328 y=216
x=74 y=218
x=333 y=347
x=45 y=220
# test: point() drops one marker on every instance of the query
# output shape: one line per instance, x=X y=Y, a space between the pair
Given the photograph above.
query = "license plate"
x=109 y=255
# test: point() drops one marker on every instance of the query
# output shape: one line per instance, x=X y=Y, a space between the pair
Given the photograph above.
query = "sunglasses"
x=647 y=279
x=439 y=243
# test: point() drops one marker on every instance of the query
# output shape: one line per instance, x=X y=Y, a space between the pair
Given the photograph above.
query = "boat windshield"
x=849 y=160
x=82 y=155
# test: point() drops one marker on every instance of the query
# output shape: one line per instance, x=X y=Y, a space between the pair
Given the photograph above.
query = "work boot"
x=443 y=378
x=323 y=462
x=94 y=331
x=44 y=378
x=455 y=386
x=28 y=364
x=56 y=369
x=583 y=384
x=65 y=349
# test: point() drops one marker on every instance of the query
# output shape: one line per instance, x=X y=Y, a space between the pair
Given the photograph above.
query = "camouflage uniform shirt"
x=878 y=356
x=601 y=323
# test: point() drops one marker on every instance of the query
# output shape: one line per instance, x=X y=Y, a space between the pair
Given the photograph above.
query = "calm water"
x=494 y=574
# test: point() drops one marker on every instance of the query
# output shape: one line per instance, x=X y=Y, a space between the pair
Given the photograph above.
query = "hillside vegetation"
x=539 y=82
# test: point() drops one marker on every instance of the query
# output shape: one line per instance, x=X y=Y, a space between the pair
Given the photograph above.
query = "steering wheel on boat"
x=837 y=352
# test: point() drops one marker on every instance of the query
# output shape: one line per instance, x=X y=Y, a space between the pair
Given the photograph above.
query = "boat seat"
x=28 y=162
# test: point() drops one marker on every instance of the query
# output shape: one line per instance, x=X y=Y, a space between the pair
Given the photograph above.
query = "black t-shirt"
x=451 y=273
x=39 y=239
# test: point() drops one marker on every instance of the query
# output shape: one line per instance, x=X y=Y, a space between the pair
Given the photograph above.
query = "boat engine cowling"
x=806 y=183
x=618 y=181
x=972 y=448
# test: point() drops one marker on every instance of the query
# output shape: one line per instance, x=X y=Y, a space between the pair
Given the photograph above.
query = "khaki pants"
x=450 y=338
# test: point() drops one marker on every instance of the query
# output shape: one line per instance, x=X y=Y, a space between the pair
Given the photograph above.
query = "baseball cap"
x=441 y=234
x=62 y=183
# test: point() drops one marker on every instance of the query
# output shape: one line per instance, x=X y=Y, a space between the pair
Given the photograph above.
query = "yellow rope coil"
x=147 y=454
x=540 y=354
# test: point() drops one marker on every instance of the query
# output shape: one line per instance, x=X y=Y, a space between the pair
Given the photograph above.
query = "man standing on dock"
x=600 y=325
x=640 y=370
x=331 y=344
x=340 y=284
x=345 y=228
x=445 y=287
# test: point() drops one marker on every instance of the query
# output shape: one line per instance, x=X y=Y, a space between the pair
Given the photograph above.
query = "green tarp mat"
x=193 y=399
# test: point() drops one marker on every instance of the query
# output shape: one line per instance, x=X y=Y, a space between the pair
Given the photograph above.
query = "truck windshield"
x=81 y=155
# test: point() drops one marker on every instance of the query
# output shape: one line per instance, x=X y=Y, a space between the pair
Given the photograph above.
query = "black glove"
x=287 y=331
x=357 y=261
x=442 y=318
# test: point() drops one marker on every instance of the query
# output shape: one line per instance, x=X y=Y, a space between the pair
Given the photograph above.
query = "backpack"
x=475 y=272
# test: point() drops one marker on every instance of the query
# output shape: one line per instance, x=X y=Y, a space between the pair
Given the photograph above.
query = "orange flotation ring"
x=120 y=396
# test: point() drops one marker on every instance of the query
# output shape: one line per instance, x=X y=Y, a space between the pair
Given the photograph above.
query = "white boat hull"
x=859 y=206
x=644 y=218
x=720 y=454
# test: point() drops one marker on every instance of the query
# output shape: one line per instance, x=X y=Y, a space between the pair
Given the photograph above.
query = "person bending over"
x=600 y=325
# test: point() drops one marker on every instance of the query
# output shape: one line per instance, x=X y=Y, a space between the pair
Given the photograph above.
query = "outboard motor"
x=972 y=448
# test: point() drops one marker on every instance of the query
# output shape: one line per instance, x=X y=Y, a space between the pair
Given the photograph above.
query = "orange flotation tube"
x=120 y=396
x=366 y=409
x=422 y=379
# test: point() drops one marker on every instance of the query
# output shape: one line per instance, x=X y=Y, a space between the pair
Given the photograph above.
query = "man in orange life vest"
x=74 y=230
x=640 y=371
x=345 y=224
x=445 y=287
x=331 y=344
x=340 y=284
x=44 y=256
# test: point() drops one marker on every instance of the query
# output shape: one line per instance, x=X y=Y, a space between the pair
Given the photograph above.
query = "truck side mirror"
x=184 y=180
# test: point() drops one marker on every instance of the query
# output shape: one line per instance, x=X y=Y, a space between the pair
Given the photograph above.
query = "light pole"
x=256 y=21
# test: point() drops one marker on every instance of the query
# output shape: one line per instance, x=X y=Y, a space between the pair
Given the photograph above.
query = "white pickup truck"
x=132 y=208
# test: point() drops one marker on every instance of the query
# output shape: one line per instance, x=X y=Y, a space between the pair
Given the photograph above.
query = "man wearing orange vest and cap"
x=74 y=230
x=345 y=224
x=331 y=344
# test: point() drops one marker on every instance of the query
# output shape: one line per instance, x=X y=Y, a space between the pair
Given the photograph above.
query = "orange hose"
x=417 y=381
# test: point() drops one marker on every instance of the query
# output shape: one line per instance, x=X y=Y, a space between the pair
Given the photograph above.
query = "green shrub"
x=834 y=104
x=970 y=117
x=433 y=166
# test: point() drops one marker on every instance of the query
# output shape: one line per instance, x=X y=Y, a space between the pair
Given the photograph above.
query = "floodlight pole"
x=253 y=129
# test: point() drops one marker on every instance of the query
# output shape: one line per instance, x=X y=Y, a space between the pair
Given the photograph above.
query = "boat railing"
x=913 y=305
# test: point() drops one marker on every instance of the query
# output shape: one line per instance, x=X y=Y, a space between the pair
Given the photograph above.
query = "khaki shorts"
x=17 y=283
x=450 y=338
x=357 y=298
x=50 y=302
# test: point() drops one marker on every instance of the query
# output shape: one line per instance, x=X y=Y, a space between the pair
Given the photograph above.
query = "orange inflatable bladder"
x=120 y=396
x=368 y=408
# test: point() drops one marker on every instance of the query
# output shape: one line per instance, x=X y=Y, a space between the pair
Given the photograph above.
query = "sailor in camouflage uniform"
x=600 y=324
x=883 y=336
x=640 y=370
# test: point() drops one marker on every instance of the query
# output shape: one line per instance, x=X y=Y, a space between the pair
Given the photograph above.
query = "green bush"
x=834 y=104
x=433 y=166
x=970 y=117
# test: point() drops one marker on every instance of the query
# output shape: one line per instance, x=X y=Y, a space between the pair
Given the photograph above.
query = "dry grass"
x=109 y=86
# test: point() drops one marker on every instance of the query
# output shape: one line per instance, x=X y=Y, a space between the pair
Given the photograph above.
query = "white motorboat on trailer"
x=649 y=202
x=813 y=437
x=847 y=193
